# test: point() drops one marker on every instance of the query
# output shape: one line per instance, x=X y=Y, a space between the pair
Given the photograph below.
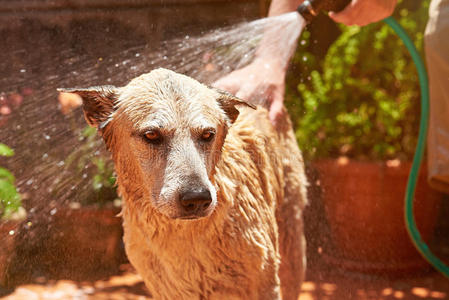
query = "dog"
x=213 y=193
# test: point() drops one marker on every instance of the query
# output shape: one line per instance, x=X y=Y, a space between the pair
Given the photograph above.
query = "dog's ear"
x=98 y=103
x=228 y=102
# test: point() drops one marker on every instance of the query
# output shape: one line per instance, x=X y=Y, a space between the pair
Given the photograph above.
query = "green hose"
x=413 y=177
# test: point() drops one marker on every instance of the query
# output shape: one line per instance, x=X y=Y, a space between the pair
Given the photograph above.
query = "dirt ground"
x=321 y=284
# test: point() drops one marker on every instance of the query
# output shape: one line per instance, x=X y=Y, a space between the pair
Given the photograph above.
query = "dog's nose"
x=194 y=201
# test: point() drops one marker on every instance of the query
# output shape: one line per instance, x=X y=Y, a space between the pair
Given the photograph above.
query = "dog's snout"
x=195 y=201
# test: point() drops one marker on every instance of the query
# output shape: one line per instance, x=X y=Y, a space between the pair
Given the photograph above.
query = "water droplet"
x=23 y=71
x=304 y=58
x=164 y=57
x=11 y=232
x=46 y=136
x=75 y=205
x=303 y=42
x=30 y=181
x=53 y=211
x=137 y=54
x=60 y=164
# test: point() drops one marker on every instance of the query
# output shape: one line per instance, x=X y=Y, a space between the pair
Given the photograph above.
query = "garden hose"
x=309 y=9
x=419 y=152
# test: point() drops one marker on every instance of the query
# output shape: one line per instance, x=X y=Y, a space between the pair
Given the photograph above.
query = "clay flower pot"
x=85 y=241
x=7 y=236
x=364 y=205
x=78 y=244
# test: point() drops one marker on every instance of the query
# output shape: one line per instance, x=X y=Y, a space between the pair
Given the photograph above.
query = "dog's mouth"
x=190 y=217
x=194 y=216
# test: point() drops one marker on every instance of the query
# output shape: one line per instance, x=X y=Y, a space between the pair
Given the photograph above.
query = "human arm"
x=364 y=12
x=263 y=79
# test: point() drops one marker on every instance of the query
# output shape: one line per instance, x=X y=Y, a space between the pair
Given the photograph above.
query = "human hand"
x=261 y=82
x=364 y=12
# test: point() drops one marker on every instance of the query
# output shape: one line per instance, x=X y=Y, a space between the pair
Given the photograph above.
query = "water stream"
x=56 y=160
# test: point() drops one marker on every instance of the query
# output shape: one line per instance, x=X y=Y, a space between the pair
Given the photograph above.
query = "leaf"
x=5 y=150
x=6 y=175
x=8 y=194
x=89 y=132
x=97 y=182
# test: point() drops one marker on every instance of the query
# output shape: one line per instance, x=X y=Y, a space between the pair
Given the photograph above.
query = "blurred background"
x=352 y=94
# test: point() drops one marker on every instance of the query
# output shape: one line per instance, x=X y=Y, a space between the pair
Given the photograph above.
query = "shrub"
x=10 y=200
x=362 y=100
x=88 y=158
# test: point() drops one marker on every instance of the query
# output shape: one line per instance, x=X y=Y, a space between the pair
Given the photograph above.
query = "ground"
x=321 y=284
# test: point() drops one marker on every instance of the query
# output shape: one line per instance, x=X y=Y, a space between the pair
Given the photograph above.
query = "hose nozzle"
x=309 y=9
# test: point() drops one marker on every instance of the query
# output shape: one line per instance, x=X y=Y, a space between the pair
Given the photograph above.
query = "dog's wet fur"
x=213 y=193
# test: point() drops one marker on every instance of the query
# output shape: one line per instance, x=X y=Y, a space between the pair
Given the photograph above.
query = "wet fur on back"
x=248 y=243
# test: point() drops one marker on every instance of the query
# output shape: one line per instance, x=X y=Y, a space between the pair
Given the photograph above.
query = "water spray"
x=309 y=9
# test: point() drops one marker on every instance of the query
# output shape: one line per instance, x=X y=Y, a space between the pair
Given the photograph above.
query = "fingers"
x=233 y=84
x=276 y=109
x=228 y=84
x=364 y=12
x=348 y=15
x=247 y=90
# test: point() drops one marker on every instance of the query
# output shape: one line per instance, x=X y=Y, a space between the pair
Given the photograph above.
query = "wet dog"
x=213 y=194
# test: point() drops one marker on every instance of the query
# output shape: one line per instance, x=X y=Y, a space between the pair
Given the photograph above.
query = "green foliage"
x=363 y=99
x=10 y=200
x=87 y=158
x=104 y=168
x=5 y=150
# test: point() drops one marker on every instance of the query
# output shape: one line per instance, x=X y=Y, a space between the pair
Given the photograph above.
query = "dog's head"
x=165 y=131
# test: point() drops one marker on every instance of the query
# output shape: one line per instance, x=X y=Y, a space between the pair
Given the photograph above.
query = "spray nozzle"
x=309 y=9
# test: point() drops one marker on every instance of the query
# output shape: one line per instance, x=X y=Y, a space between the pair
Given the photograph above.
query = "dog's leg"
x=292 y=249
x=292 y=243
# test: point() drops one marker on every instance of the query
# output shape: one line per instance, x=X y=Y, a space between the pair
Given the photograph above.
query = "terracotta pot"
x=364 y=204
x=84 y=242
x=7 y=235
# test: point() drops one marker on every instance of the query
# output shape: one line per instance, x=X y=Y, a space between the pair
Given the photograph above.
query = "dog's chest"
x=216 y=266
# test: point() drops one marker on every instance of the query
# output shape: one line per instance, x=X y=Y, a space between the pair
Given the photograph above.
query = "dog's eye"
x=153 y=136
x=207 y=135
